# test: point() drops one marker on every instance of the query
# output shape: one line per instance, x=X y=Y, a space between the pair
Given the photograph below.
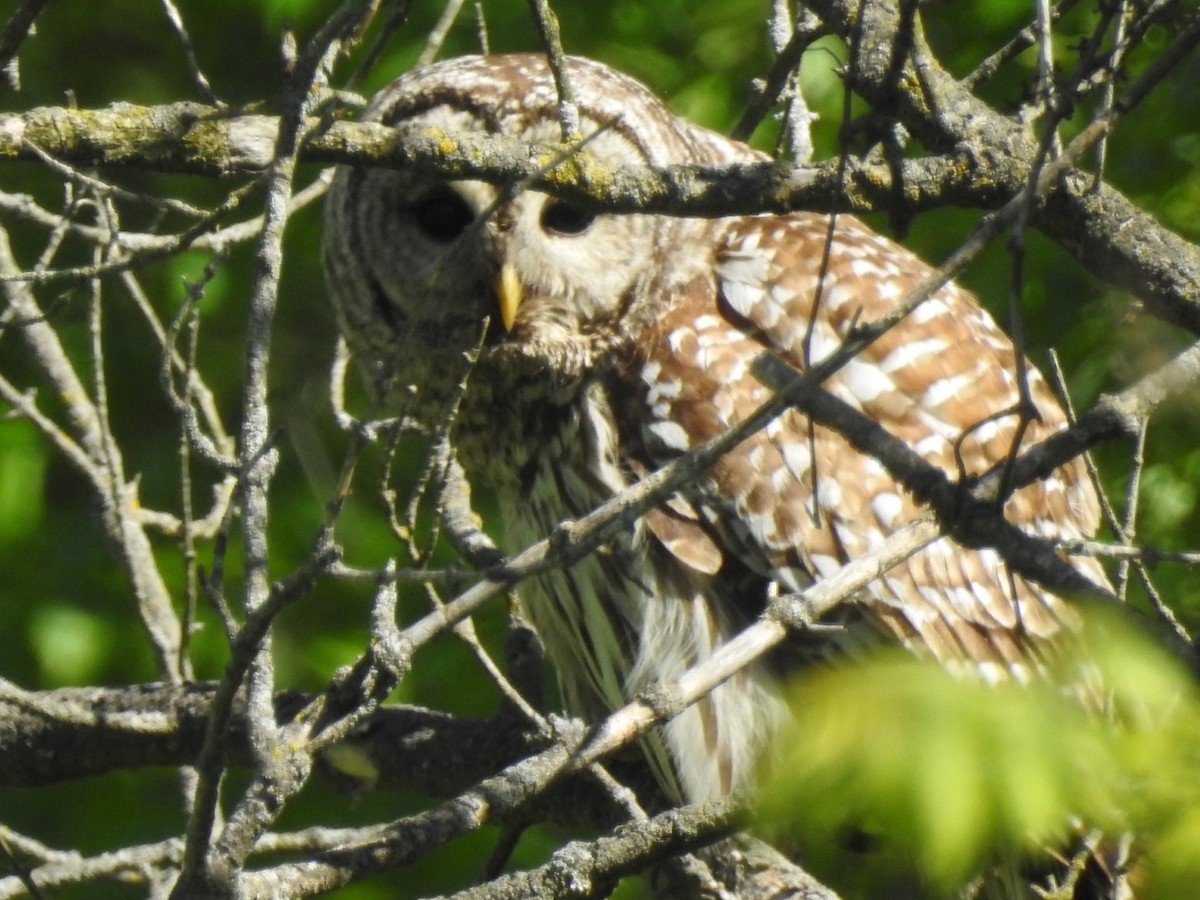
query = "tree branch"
x=985 y=160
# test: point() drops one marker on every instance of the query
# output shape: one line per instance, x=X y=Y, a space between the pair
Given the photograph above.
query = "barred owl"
x=609 y=344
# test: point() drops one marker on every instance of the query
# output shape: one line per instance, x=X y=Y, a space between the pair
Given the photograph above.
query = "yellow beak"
x=508 y=292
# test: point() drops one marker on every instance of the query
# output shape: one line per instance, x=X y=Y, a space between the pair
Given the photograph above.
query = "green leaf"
x=70 y=645
x=21 y=479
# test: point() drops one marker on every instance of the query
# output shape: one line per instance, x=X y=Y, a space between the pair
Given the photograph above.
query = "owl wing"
x=797 y=502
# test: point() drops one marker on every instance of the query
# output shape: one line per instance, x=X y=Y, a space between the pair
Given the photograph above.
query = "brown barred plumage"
x=631 y=341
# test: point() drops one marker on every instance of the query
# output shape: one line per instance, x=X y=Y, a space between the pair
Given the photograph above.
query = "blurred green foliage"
x=65 y=611
x=940 y=777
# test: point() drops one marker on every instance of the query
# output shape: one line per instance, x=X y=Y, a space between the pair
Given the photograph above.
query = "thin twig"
x=206 y=860
x=157 y=250
x=1022 y=41
x=782 y=83
x=547 y=28
x=415 y=836
x=18 y=27
x=1116 y=57
x=481 y=31
x=1151 y=556
x=189 y=53
x=437 y=36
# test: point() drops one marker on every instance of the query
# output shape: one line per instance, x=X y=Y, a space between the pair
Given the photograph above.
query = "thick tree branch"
x=1102 y=229
x=48 y=737
x=984 y=160
x=503 y=770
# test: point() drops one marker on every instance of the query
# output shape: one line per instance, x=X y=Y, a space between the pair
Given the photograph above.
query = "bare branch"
x=18 y=27
x=1140 y=255
x=521 y=765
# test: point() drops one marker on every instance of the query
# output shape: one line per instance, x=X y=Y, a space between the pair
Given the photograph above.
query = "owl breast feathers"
x=597 y=347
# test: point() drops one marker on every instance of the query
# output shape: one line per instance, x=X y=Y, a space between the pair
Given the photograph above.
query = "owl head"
x=423 y=269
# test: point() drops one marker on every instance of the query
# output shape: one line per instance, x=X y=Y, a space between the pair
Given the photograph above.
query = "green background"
x=65 y=613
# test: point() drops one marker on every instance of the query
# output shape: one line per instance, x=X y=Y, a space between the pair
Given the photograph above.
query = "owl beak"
x=508 y=293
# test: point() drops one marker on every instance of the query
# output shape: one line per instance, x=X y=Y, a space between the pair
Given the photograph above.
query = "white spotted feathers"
x=801 y=497
x=627 y=340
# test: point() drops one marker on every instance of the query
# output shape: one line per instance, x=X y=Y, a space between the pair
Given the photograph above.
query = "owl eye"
x=560 y=217
x=443 y=215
